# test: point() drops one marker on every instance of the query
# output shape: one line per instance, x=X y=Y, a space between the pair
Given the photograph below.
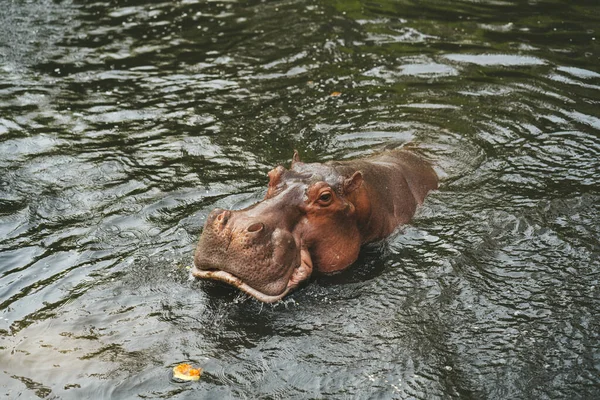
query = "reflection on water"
x=122 y=124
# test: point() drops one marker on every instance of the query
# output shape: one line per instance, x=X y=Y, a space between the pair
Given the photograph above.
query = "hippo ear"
x=274 y=179
x=295 y=158
x=275 y=175
x=353 y=183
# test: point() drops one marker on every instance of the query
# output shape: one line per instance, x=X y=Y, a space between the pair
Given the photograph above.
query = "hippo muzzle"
x=257 y=257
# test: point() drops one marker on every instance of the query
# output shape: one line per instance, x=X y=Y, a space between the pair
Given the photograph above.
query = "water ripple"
x=123 y=125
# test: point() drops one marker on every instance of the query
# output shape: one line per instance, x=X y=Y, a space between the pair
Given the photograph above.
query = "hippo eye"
x=325 y=198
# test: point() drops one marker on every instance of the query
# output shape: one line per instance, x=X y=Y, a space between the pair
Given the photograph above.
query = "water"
x=123 y=123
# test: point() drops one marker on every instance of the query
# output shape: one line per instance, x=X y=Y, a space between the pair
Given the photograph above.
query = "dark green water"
x=123 y=123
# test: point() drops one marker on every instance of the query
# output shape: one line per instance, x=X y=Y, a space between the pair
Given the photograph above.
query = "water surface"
x=123 y=123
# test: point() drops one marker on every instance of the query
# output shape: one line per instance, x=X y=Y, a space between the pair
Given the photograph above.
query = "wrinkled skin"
x=315 y=217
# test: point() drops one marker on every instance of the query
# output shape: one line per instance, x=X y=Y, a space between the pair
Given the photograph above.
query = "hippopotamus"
x=314 y=218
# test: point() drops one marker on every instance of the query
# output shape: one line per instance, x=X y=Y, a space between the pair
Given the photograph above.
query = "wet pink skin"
x=314 y=218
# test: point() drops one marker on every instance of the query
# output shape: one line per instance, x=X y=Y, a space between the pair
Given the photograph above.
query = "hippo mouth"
x=299 y=274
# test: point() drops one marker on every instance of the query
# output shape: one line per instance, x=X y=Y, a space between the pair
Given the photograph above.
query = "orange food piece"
x=187 y=372
x=336 y=94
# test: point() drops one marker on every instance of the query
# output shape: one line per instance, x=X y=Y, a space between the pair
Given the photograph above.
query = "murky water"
x=123 y=123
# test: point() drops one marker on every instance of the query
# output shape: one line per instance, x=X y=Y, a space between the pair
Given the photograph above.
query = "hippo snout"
x=247 y=250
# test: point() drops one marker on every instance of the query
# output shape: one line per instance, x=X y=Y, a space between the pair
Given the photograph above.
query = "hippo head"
x=307 y=219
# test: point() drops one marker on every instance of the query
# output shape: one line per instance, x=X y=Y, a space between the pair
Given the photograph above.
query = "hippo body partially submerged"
x=314 y=217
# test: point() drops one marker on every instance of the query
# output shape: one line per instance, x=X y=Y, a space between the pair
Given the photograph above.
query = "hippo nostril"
x=223 y=217
x=256 y=227
x=220 y=221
